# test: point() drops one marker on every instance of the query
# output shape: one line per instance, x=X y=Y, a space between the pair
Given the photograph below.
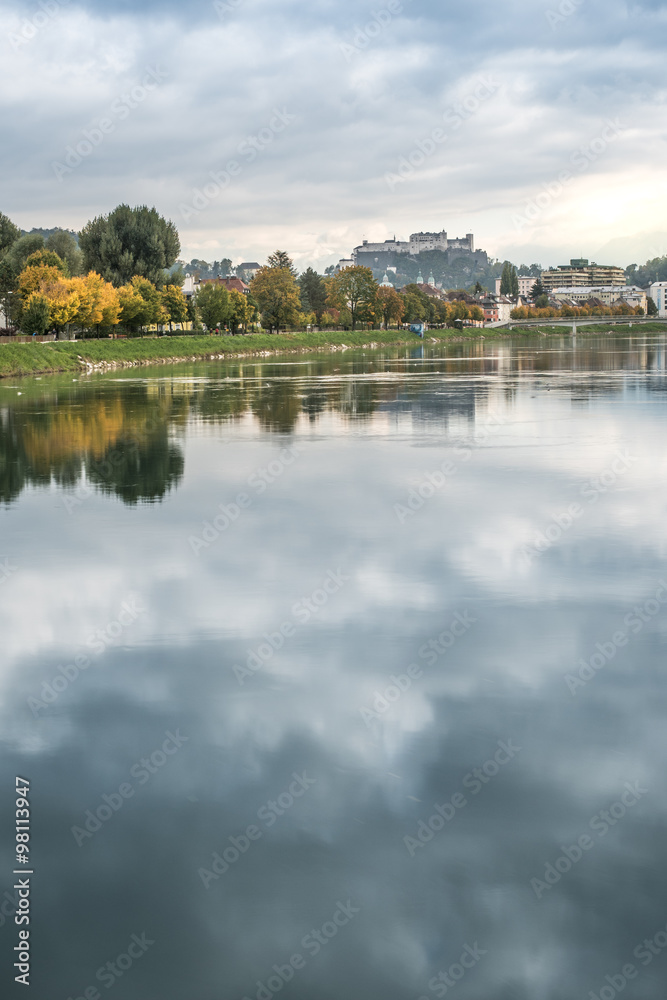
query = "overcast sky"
x=319 y=111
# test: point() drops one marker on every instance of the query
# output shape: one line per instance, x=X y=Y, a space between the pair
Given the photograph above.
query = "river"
x=340 y=677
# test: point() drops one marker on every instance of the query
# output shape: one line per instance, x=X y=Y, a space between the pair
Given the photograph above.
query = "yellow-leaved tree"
x=99 y=303
x=63 y=300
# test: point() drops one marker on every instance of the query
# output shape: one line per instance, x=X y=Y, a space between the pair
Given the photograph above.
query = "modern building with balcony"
x=579 y=273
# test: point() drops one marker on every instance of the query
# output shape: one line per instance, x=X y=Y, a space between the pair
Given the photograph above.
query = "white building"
x=658 y=292
x=190 y=286
x=526 y=283
x=607 y=294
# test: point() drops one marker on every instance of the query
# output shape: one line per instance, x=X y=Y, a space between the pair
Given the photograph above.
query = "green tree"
x=281 y=259
x=538 y=290
x=276 y=292
x=509 y=282
x=356 y=289
x=391 y=306
x=19 y=251
x=36 y=315
x=651 y=307
x=9 y=233
x=414 y=308
x=151 y=311
x=506 y=279
x=64 y=244
x=174 y=304
x=239 y=310
x=313 y=293
x=213 y=305
x=129 y=242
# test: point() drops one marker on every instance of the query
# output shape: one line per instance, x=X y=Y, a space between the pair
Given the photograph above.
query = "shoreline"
x=93 y=356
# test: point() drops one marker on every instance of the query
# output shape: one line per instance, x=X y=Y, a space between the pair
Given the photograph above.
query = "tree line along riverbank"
x=63 y=356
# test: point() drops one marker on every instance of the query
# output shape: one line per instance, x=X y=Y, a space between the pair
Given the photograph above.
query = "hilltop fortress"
x=418 y=243
x=368 y=254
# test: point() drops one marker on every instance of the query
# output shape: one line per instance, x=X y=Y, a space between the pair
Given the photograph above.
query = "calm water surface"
x=342 y=677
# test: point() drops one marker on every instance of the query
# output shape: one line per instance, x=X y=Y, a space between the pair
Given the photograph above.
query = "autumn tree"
x=277 y=294
x=239 y=310
x=391 y=306
x=355 y=289
x=131 y=305
x=63 y=299
x=99 y=302
x=130 y=242
x=151 y=311
x=175 y=304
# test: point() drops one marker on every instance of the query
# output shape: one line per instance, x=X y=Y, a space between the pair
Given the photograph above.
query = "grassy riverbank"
x=62 y=356
x=35 y=359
